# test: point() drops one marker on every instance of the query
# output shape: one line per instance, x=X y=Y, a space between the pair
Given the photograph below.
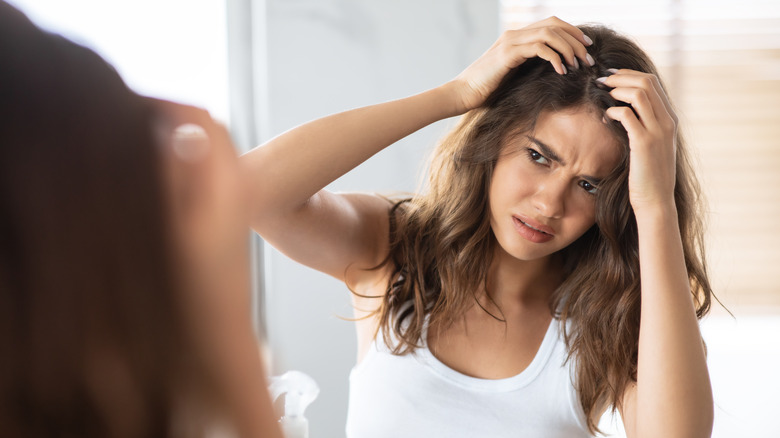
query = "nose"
x=549 y=198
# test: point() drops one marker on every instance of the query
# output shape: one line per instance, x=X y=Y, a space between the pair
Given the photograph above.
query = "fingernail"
x=190 y=142
x=612 y=70
x=587 y=39
x=590 y=60
x=576 y=64
x=564 y=69
x=602 y=79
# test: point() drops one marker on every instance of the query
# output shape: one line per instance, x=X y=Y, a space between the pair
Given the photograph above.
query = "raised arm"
x=315 y=227
x=672 y=396
x=331 y=232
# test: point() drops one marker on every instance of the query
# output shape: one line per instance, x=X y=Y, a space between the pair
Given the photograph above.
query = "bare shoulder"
x=335 y=233
x=369 y=275
x=369 y=283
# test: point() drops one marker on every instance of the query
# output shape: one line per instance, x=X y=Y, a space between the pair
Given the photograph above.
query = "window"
x=172 y=49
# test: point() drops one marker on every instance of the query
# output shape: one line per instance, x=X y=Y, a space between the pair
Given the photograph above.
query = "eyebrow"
x=549 y=153
x=547 y=150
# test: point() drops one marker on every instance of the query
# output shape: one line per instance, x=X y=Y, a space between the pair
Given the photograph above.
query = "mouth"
x=533 y=231
x=529 y=226
x=536 y=226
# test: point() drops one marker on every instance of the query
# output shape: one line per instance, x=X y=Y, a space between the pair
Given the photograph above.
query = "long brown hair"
x=441 y=242
x=93 y=340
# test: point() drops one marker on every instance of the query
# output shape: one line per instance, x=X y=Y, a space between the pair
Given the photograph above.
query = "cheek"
x=579 y=207
x=511 y=182
x=502 y=196
x=585 y=217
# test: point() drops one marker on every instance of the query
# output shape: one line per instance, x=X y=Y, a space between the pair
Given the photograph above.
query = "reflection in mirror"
x=323 y=335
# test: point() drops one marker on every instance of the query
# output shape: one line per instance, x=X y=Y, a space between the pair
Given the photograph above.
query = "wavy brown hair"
x=441 y=242
x=94 y=340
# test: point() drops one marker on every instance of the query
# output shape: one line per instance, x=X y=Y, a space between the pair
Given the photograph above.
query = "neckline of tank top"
x=524 y=378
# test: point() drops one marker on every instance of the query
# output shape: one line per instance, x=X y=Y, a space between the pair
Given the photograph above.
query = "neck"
x=512 y=282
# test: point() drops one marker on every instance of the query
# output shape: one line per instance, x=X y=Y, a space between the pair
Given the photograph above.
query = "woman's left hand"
x=652 y=136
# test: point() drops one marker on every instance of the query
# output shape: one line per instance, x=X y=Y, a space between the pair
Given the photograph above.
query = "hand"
x=547 y=39
x=652 y=134
x=206 y=197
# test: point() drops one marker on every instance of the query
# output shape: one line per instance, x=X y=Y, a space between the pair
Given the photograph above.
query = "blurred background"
x=265 y=66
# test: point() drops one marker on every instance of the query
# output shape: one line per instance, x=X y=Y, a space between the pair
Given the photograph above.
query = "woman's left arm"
x=672 y=396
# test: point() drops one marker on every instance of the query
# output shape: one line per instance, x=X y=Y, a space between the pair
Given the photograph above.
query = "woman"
x=123 y=265
x=553 y=268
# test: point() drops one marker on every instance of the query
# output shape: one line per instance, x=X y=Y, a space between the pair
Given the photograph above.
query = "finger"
x=580 y=51
x=525 y=44
x=659 y=89
x=175 y=115
x=565 y=44
x=190 y=142
x=222 y=140
x=568 y=28
x=556 y=37
x=548 y=54
x=555 y=40
x=639 y=101
x=652 y=86
x=626 y=117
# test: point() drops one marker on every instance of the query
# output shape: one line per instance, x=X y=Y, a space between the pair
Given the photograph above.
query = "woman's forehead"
x=577 y=136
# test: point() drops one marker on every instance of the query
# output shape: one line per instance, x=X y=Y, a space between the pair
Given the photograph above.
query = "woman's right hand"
x=547 y=39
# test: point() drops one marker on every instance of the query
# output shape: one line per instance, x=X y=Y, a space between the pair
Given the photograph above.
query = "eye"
x=536 y=157
x=588 y=187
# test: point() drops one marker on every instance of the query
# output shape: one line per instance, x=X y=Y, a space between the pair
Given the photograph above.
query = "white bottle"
x=300 y=390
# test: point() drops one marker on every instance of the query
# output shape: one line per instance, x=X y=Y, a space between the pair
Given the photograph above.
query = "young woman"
x=553 y=268
x=124 y=307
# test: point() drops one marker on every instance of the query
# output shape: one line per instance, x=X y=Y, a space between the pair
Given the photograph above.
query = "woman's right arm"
x=331 y=232
x=324 y=230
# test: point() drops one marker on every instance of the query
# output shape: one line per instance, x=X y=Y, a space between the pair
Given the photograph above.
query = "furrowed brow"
x=549 y=153
x=546 y=150
x=592 y=179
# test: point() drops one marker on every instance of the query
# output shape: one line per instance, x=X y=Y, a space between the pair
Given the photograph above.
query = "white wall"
x=325 y=56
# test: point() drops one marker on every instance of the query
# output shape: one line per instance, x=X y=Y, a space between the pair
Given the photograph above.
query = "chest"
x=419 y=395
x=484 y=347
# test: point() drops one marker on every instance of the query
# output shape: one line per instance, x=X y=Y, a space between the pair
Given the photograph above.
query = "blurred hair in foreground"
x=94 y=337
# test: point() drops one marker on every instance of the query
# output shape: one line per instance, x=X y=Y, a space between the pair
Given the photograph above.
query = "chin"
x=522 y=252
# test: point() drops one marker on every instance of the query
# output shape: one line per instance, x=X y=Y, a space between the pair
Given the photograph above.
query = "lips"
x=532 y=230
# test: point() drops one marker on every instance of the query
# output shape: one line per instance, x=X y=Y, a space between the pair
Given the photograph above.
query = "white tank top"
x=416 y=395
